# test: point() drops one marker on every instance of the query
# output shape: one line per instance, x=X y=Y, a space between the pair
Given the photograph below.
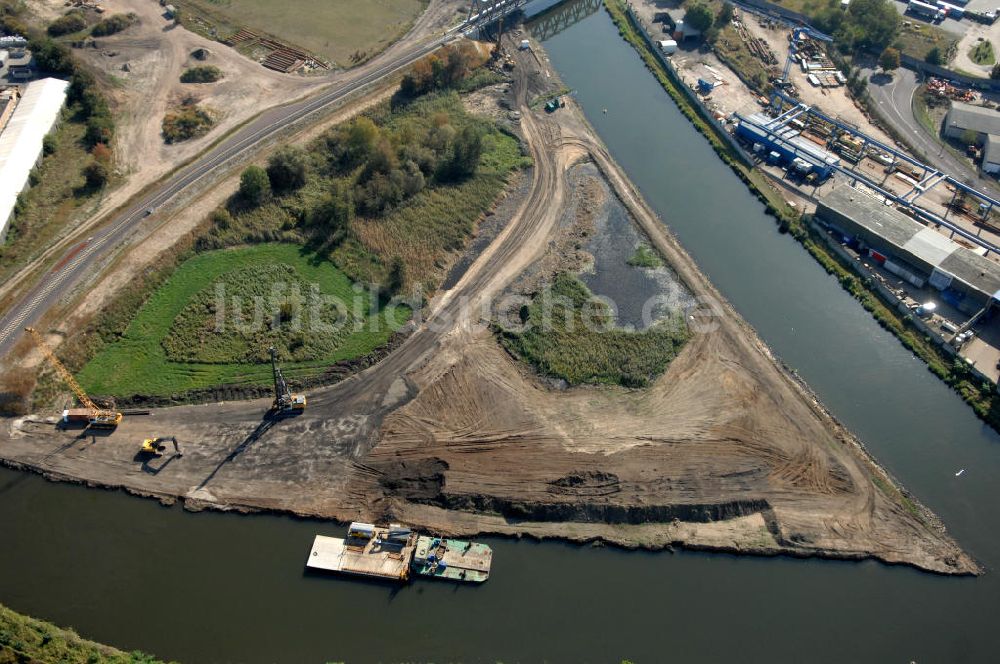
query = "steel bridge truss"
x=930 y=177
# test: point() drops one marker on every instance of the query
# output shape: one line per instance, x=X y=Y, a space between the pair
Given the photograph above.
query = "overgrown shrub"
x=70 y=22
x=113 y=24
x=255 y=187
x=442 y=69
x=187 y=122
x=201 y=74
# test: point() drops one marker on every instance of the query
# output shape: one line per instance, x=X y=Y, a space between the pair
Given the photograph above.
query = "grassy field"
x=574 y=338
x=138 y=363
x=919 y=38
x=343 y=31
x=25 y=640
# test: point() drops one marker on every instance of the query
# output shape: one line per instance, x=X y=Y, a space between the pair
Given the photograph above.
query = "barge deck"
x=373 y=558
x=393 y=552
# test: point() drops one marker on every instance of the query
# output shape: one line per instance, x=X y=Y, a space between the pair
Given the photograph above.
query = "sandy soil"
x=725 y=451
x=146 y=62
x=729 y=96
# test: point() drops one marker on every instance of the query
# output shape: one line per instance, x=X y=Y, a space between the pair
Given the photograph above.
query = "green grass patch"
x=644 y=256
x=28 y=640
x=571 y=335
x=982 y=53
x=237 y=317
x=922 y=111
x=177 y=317
x=345 y=32
x=917 y=39
x=389 y=200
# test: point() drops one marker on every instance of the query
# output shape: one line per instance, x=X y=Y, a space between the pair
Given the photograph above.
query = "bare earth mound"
x=726 y=450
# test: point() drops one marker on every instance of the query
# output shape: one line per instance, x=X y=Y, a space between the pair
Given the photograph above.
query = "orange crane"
x=99 y=418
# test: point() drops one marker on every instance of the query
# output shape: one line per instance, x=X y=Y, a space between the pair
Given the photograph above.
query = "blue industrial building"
x=785 y=145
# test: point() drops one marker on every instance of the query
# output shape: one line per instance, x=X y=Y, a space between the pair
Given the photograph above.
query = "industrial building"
x=918 y=254
x=21 y=141
x=964 y=117
x=673 y=20
x=777 y=142
x=991 y=155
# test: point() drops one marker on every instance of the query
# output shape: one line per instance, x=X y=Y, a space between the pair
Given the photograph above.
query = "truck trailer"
x=926 y=11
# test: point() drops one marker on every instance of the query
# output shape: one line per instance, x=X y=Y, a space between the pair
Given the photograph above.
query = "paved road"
x=80 y=258
x=894 y=97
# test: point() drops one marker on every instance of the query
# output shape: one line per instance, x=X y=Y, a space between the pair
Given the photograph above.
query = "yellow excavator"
x=94 y=416
x=156 y=446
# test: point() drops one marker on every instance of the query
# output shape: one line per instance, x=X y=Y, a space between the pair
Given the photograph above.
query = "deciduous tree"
x=889 y=60
x=255 y=187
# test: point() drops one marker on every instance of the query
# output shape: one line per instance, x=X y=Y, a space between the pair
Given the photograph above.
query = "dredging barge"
x=395 y=552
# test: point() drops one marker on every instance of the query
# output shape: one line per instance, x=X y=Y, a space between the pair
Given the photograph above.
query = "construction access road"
x=725 y=451
x=893 y=95
x=80 y=256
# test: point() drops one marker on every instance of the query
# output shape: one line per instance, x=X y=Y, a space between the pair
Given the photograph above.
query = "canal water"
x=221 y=588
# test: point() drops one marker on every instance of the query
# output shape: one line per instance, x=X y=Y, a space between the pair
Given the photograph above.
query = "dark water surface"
x=224 y=588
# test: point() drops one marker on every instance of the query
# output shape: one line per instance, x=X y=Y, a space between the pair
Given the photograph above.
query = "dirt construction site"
x=724 y=451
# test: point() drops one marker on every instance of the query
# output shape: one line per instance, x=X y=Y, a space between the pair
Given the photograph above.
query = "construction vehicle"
x=156 y=446
x=285 y=403
x=94 y=416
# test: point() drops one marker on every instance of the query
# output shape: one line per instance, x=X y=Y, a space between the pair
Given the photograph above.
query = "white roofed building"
x=21 y=141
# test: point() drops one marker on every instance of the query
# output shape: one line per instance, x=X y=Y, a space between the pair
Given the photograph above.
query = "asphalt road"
x=82 y=257
x=894 y=96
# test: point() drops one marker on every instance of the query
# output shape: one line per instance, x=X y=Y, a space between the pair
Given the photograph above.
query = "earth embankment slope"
x=726 y=450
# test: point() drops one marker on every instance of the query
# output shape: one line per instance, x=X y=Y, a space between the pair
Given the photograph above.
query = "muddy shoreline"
x=726 y=451
x=624 y=543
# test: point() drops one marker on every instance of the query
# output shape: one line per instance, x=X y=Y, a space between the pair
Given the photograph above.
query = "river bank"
x=24 y=639
x=725 y=451
x=982 y=398
x=912 y=423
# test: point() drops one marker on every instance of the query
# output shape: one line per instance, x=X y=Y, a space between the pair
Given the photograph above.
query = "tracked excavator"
x=156 y=446
x=285 y=403
x=95 y=417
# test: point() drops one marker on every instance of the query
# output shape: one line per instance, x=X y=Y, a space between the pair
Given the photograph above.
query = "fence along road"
x=71 y=267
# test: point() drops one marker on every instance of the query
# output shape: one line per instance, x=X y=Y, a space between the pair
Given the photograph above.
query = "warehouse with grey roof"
x=21 y=141
x=916 y=253
x=964 y=117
